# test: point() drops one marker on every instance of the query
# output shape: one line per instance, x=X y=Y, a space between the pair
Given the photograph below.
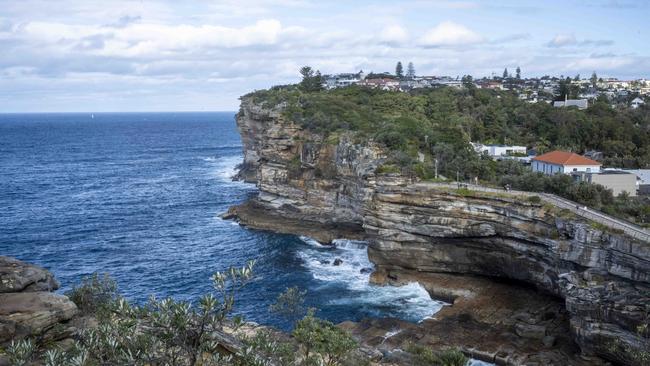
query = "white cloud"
x=566 y=40
x=394 y=34
x=148 y=39
x=449 y=34
x=59 y=51
x=562 y=40
x=600 y=63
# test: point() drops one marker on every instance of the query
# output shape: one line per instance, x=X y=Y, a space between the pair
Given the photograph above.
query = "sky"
x=144 y=55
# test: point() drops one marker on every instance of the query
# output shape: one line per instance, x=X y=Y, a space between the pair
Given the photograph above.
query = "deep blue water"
x=138 y=195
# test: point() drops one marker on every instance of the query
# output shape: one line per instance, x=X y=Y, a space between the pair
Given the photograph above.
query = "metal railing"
x=627 y=227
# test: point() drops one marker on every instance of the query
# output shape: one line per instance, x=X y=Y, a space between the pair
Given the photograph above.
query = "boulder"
x=32 y=313
x=17 y=276
x=532 y=331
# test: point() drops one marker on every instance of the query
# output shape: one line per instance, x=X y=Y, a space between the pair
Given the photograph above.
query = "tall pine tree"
x=410 y=71
x=399 y=70
x=594 y=79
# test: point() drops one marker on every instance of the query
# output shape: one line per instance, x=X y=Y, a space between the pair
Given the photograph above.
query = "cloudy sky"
x=144 y=55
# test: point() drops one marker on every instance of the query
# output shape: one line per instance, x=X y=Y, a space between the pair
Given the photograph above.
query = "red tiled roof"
x=565 y=158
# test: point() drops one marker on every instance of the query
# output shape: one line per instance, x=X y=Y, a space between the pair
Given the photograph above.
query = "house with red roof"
x=564 y=162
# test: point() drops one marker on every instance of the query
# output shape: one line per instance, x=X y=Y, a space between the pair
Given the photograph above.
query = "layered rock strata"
x=326 y=183
x=28 y=308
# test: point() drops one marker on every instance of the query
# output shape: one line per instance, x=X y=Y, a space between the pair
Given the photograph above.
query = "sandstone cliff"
x=28 y=308
x=326 y=187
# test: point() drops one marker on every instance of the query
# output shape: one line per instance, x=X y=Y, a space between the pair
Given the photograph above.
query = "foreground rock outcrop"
x=28 y=308
x=328 y=185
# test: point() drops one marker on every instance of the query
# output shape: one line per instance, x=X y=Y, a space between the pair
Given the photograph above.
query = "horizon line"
x=114 y=112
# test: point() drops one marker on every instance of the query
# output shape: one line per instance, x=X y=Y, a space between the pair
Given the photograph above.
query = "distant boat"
x=92 y=116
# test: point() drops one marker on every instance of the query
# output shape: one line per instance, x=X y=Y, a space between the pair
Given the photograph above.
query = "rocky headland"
x=528 y=282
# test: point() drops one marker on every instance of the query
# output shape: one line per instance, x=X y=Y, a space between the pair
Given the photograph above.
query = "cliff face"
x=304 y=177
x=308 y=182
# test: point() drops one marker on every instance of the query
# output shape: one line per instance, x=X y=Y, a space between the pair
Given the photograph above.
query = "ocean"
x=139 y=196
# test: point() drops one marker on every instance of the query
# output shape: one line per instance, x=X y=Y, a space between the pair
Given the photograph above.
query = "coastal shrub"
x=464 y=192
x=161 y=332
x=387 y=169
x=95 y=293
x=21 y=352
x=423 y=171
x=264 y=348
x=534 y=199
x=322 y=342
x=180 y=333
x=290 y=304
x=425 y=356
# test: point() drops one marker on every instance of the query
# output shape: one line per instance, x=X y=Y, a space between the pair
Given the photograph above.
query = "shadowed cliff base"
x=494 y=321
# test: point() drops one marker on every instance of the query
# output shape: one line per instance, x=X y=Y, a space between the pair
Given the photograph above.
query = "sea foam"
x=411 y=301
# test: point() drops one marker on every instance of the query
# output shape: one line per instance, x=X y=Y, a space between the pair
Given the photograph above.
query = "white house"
x=637 y=102
x=343 y=79
x=580 y=103
x=563 y=162
x=499 y=150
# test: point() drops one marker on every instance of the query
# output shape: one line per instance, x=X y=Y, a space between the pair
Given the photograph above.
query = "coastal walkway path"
x=627 y=227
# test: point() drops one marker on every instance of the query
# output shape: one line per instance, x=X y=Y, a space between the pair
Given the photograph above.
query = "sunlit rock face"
x=27 y=307
x=326 y=187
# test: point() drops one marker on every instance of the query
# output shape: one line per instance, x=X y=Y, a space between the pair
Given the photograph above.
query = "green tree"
x=410 y=71
x=518 y=75
x=399 y=70
x=96 y=293
x=322 y=340
x=468 y=81
x=290 y=304
x=311 y=81
x=594 y=79
x=505 y=73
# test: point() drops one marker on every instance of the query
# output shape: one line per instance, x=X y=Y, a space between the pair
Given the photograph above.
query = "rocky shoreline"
x=597 y=282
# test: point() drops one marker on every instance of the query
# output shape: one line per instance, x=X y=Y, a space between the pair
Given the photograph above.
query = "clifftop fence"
x=627 y=227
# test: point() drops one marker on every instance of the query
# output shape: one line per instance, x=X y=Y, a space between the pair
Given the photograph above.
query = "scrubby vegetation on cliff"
x=425 y=118
x=429 y=128
x=178 y=333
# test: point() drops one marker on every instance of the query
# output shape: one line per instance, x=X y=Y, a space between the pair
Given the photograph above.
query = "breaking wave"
x=410 y=302
x=224 y=168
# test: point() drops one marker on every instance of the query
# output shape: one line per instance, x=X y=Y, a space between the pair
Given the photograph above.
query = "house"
x=380 y=83
x=499 y=150
x=563 y=162
x=616 y=180
x=580 y=103
x=636 y=103
x=490 y=84
x=342 y=80
x=643 y=180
